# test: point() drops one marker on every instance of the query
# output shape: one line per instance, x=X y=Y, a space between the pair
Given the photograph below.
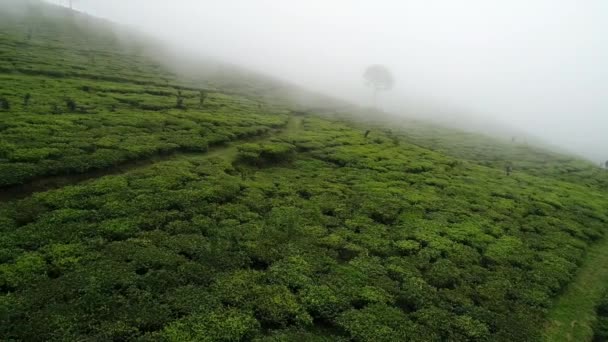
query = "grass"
x=574 y=312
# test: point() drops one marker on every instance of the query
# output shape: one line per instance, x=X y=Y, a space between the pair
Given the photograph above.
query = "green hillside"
x=140 y=204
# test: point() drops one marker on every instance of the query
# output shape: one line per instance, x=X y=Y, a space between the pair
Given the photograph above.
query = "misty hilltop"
x=511 y=67
x=151 y=194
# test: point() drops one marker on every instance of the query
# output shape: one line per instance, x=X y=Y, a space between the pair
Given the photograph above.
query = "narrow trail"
x=47 y=183
x=572 y=316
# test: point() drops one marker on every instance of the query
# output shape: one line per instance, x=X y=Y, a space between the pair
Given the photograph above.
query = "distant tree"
x=180 y=100
x=202 y=97
x=4 y=104
x=378 y=77
x=70 y=104
x=367 y=133
x=508 y=169
x=606 y=164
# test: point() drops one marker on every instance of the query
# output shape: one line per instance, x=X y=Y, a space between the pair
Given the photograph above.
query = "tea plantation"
x=265 y=222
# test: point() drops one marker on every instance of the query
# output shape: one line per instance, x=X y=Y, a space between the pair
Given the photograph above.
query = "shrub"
x=219 y=325
x=600 y=327
x=180 y=100
x=55 y=109
x=26 y=99
x=277 y=306
x=4 y=104
x=266 y=153
x=70 y=105
x=377 y=322
x=202 y=97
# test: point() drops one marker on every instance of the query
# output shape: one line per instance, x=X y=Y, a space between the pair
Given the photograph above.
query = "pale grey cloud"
x=540 y=66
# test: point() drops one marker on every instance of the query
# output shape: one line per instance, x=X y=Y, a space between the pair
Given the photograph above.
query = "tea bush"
x=188 y=249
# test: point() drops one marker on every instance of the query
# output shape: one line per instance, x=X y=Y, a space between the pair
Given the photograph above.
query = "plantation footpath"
x=141 y=204
x=573 y=316
x=53 y=182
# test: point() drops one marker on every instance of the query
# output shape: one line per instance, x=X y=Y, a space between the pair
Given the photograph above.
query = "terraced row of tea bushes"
x=523 y=157
x=494 y=152
x=52 y=41
x=61 y=126
x=337 y=237
x=77 y=94
x=43 y=40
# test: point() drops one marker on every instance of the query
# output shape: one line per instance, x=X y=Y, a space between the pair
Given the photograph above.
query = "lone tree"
x=202 y=97
x=378 y=77
x=71 y=105
x=4 y=104
x=179 y=103
x=508 y=168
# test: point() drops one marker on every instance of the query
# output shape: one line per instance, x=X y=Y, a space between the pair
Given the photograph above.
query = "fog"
x=538 y=67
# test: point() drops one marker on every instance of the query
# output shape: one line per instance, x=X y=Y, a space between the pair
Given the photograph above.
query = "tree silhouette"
x=378 y=77
x=202 y=97
x=4 y=104
x=179 y=103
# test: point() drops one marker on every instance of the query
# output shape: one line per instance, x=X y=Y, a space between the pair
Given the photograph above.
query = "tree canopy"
x=378 y=77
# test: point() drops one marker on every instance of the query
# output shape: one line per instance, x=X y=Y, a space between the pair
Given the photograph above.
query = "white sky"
x=538 y=65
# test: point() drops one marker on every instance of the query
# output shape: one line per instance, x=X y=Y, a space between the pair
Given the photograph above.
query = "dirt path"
x=54 y=182
x=573 y=313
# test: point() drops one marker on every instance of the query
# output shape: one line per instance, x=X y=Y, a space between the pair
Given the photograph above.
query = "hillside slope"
x=302 y=228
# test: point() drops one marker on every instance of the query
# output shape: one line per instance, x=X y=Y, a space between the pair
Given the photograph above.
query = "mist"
x=525 y=68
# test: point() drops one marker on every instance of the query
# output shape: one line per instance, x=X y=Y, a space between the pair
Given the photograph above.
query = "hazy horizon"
x=534 y=67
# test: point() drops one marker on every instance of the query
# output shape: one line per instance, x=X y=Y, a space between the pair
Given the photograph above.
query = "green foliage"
x=202 y=96
x=315 y=234
x=70 y=105
x=379 y=323
x=342 y=242
x=266 y=153
x=219 y=325
x=4 y=104
x=26 y=99
x=600 y=328
x=180 y=100
x=121 y=107
x=26 y=268
x=84 y=134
